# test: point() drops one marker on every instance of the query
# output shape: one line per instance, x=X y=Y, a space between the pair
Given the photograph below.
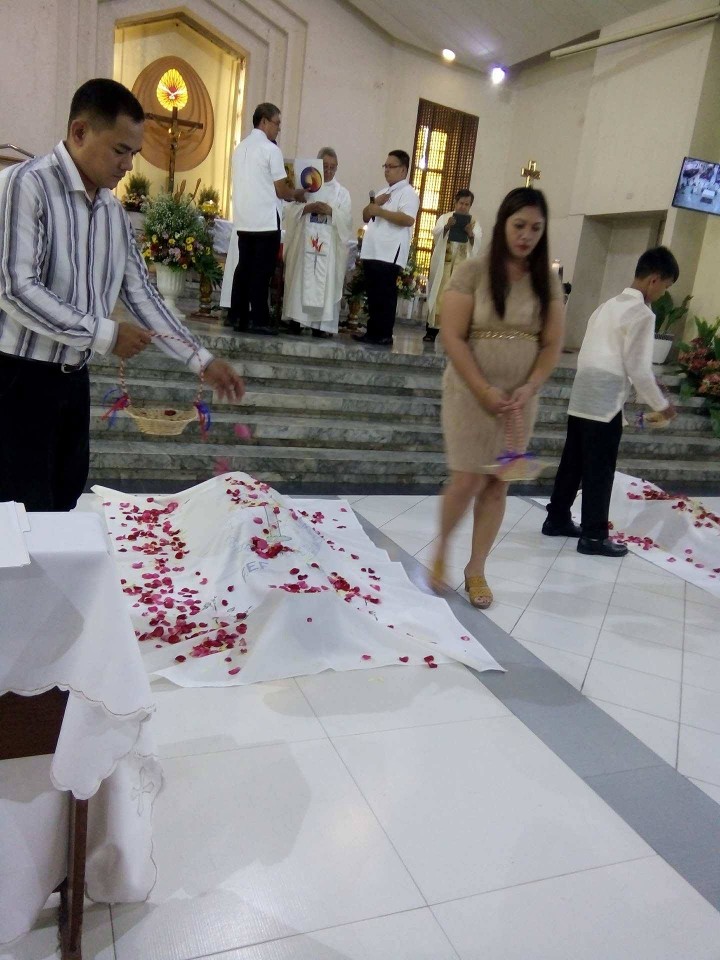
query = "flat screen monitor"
x=698 y=186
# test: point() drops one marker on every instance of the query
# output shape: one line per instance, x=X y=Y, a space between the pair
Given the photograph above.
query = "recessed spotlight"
x=448 y=55
x=497 y=75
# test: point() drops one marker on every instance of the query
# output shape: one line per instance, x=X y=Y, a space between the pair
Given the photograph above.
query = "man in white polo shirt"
x=390 y=218
x=259 y=181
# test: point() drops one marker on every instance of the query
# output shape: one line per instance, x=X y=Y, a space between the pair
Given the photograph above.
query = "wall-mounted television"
x=698 y=186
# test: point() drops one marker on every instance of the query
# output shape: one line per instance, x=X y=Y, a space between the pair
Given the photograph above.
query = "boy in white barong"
x=616 y=352
x=447 y=255
x=316 y=245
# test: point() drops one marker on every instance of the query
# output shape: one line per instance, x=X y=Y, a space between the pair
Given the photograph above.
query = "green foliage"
x=137 y=191
x=667 y=315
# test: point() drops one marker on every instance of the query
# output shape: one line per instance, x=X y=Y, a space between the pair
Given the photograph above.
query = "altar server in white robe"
x=316 y=245
x=448 y=253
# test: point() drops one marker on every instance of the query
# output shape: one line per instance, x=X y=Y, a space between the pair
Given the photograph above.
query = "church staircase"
x=333 y=416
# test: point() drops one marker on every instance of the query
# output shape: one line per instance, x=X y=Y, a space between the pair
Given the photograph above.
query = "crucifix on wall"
x=530 y=172
x=172 y=94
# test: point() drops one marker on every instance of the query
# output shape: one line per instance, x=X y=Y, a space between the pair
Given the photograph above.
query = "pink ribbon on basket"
x=120 y=403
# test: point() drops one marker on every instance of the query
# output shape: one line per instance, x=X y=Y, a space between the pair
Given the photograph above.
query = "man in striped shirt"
x=67 y=252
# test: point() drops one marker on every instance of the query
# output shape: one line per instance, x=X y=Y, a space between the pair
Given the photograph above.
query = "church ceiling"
x=487 y=32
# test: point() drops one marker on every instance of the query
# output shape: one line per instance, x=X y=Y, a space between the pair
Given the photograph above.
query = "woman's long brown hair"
x=538 y=260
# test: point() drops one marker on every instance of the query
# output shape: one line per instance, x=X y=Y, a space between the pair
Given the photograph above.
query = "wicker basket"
x=161 y=421
x=515 y=463
x=164 y=421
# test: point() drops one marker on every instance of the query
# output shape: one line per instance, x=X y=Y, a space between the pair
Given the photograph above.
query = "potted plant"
x=174 y=235
x=407 y=285
x=667 y=316
x=137 y=192
x=700 y=363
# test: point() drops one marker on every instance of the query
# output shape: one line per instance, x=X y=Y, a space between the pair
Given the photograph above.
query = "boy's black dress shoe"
x=568 y=529
x=601 y=548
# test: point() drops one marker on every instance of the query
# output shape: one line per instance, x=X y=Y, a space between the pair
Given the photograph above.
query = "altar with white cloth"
x=65 y=624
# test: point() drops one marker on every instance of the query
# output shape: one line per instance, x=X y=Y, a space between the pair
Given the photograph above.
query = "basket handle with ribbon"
x=516 y=462
x=151 y=418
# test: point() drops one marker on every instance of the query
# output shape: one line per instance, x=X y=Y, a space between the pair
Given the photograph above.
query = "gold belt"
x=504 y=335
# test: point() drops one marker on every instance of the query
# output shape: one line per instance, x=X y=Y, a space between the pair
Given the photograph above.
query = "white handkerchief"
x=13 y=551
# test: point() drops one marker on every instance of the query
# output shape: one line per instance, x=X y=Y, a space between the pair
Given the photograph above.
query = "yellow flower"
x=184 y=266
x=154 y=238
x=190 y=240
x=207 y=250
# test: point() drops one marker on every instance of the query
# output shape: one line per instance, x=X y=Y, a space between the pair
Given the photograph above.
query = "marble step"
x=194 y=462
x=370 y=434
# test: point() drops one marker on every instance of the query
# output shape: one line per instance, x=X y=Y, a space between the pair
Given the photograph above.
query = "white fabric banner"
x=318 y=237
x=231 y=583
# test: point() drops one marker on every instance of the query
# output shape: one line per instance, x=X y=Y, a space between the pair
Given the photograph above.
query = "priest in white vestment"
x=316 y=245
x=455 y=240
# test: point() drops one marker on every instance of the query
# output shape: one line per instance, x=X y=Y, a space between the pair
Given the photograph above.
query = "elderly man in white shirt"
x=259 y=182
x=616 y=352
x=390 y=217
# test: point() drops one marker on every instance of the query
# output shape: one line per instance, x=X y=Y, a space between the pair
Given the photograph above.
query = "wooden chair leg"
x=72 y=890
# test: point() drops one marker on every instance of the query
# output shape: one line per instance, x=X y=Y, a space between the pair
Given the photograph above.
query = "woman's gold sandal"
x=436 y=579
x=479 y=592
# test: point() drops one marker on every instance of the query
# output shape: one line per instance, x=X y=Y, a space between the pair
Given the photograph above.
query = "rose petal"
x=366 y=656
x=429 y=659
x=403 y=659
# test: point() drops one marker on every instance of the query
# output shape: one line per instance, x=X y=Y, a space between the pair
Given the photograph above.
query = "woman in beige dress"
x=502 y=331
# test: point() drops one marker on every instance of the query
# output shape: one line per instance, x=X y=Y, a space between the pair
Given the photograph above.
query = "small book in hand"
x=457 y=232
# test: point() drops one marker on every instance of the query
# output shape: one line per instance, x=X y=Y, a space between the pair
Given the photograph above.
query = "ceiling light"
x=448 y=55
x=497 y=75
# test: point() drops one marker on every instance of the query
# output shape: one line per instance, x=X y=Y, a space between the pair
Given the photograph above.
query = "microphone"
x=372 y=200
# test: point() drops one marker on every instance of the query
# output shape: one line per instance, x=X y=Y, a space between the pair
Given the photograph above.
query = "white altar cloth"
x=64 y=623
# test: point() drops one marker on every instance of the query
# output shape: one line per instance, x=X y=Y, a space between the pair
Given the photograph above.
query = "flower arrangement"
x=174 y=232
x=700 y=363
x=137 y=192
x=407 y=282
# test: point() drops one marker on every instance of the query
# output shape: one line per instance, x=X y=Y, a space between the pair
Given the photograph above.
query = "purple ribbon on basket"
x=640 y=420
x=120 y=402
x=510 y=456
x=204 y=417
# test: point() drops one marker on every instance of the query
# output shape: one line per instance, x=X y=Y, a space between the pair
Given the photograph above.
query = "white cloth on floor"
x=64 y=623
x=231 y=583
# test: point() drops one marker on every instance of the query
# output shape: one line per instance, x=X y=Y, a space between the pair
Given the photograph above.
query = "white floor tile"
x=565 y=606
x=511 y=593
x=700 y=671
x=640 y=573
x=408 y=542
x=706 y=642
x=190 y=721
x=640 y=654
x=599 y=568
x=475 y=806
x=412 y=525
x=379 y=509
x=711 y=789
x=363 y=701
x=629 y=688
x=699 y=754
x=656 y=629
x=42 y=941
x=503 y=615
x=700 y=708
x=525 y=573
x=640 y=910
x=572 y=584
x=415 y=935
x=627 y=597
x=351 y=497
x=513 y=551
x=570 y=666
x=698 y=595
x=539 y=627
x=659 y=735
x=259 y=844
x=701 y=615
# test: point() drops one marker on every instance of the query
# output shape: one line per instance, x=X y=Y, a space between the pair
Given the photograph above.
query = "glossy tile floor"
x=403 y=814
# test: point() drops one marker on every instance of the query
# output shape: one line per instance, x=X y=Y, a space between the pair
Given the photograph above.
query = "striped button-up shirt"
x=64 y=261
